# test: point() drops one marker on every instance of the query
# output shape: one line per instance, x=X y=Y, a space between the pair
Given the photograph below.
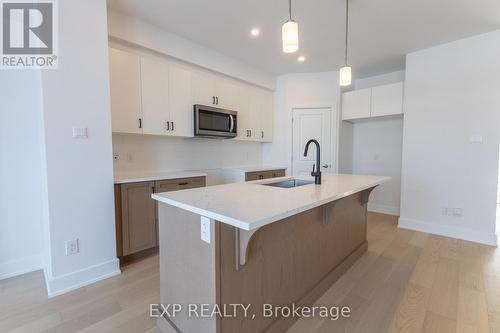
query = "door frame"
x=334 y=135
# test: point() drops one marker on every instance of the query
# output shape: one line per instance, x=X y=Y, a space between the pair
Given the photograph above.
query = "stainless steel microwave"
x=215 y=122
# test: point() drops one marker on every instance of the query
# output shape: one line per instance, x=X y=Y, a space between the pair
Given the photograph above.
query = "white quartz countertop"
x=250 y=205
x=256 y=168
x=132 y=177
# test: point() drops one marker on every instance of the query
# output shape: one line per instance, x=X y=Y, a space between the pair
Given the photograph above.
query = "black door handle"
x=172 y=125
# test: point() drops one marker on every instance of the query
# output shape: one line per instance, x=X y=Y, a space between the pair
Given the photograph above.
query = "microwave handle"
x=232 y=123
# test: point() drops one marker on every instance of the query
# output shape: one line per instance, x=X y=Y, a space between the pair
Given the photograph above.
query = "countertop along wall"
x=451 y=99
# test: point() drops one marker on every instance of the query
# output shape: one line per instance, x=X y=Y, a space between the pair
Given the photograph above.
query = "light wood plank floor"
x=407 y=282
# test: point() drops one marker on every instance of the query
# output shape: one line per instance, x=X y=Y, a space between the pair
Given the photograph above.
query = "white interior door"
x=312 y=124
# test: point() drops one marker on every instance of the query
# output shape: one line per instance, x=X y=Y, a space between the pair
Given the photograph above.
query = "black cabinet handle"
x=217 y=100
x=262 y=134
x=250 y=133
x=180 y=184
x=140 y=122
x=213 y=100
x=168 y=126
x=172 y=125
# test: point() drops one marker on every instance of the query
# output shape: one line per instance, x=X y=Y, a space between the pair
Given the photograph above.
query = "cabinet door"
x=181 y=101
x=227 y=93
x=266 y=116
x=203 y=85
x=244 y=118
x=155 y=92
x=254 y=113
x=387 y=100
x=356 y=104
x=138 y=217
x=125 y=90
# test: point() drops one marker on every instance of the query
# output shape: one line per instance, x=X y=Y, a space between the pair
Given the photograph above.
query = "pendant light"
x=290 y=33
x=345 y=75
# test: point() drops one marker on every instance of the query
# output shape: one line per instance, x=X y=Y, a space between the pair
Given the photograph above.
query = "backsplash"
x=138 y=153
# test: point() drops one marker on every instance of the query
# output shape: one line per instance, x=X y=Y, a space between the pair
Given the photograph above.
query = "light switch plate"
x=205 y=229
x=80 y=133
x=476 y=138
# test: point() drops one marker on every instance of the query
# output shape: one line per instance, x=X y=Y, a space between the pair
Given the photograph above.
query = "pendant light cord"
x=290 y=8
x=346 y=29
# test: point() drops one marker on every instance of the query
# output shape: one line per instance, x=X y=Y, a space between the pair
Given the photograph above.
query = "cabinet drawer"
x=178 y=184
x=276 y=173
x=249 y=176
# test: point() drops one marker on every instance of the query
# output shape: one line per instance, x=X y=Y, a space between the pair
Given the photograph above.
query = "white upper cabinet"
x=356 y=104
x=125 y=89
x=155 y=96
x=226 y=94
x=387 y=100
x=267 y=116
x=261 y=106
x=203 y=87
x=152 y=95
x=181 y=100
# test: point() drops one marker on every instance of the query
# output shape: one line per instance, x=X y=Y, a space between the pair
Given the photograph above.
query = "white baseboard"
x=449 y=231
x=62 y=284
x=21 y=266
x=384 y=209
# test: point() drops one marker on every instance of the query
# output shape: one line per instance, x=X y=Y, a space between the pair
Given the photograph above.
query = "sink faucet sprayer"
x=316 y=174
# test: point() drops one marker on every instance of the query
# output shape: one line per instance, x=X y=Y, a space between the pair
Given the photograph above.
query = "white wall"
x=156 y=153
x=377 y=150
x=21 y=173
x=378 y=80
x=79 y=171
x=309 y=90
x=140 y=33
x=451 y=94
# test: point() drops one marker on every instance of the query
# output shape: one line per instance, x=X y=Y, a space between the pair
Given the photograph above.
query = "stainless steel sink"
x=290 y=183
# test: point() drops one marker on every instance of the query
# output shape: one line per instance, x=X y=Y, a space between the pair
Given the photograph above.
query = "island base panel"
x=294 y=260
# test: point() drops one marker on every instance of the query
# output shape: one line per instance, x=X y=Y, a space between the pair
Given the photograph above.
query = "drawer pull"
x=180 y=184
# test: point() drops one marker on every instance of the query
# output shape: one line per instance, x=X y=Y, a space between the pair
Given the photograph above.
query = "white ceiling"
x=381 y=31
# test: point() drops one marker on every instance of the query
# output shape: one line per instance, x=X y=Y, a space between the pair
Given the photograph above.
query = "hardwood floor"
x=407 y=282
x=410 y=281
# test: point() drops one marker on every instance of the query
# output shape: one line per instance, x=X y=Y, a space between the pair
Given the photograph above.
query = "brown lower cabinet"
x=249 y=176
x=137 y=215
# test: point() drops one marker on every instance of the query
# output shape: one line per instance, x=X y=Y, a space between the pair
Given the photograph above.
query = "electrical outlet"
x=457 y=212
x=72 y=247
x=205 y=229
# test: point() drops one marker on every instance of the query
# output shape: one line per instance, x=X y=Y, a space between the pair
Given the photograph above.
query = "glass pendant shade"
x=290 y=35
x=345 y=76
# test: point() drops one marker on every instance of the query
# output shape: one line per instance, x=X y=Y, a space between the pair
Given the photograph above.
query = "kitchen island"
x=280 y=241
